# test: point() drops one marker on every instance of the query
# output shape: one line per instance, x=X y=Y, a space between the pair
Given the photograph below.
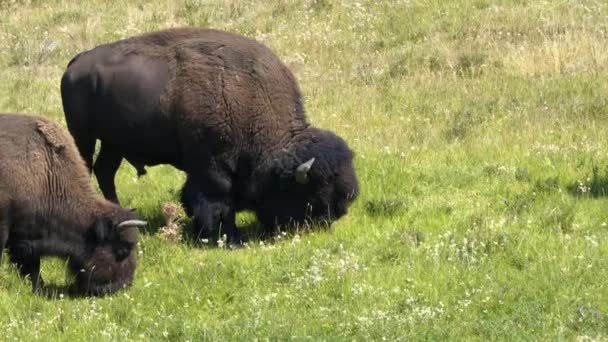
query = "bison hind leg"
x=105 y=168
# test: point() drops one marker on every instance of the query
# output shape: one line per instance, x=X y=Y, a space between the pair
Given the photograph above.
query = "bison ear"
x=102 y=229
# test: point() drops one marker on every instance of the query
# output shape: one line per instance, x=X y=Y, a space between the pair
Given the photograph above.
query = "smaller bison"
x=49 y=208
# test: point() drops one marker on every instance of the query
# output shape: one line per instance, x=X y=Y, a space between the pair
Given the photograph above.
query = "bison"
x=48 y=207
x=219 y=106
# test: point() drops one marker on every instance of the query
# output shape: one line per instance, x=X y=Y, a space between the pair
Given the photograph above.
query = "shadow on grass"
x=249 y=227
x=252 y=232
x=595 y=186
x=69 y=291
x=54 y=291
x=249 y=232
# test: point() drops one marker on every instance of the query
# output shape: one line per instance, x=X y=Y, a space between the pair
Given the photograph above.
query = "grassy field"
x=480 y=129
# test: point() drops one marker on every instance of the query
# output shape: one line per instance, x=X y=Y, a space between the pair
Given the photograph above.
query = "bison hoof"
x=236 y=245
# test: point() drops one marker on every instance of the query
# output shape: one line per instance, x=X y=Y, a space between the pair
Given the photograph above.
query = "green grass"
x=480 y=134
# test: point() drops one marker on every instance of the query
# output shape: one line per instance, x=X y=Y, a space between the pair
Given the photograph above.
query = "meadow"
x=480 y=130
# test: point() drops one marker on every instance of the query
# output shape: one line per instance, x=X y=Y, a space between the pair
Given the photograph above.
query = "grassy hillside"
x=480 y=132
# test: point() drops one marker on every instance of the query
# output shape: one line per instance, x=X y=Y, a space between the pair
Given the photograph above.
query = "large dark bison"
x=220 y=107
x=48 y=207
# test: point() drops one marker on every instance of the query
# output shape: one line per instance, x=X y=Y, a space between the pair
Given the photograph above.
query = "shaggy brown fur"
x=49 y=208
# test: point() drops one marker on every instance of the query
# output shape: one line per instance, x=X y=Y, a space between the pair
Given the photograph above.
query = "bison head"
x=314 y=182
x=109 y=261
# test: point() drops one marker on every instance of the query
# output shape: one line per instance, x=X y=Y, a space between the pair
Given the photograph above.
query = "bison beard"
x=108 y=265
x=103 y=272
x=222 y=108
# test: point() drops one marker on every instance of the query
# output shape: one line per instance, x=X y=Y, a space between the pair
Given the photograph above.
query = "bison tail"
x=76 y=95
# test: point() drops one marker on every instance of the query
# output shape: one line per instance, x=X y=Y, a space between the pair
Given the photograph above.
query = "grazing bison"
x=220 y=107
x=49 y=208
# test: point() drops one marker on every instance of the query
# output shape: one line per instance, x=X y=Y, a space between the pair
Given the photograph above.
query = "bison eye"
x=122 y=250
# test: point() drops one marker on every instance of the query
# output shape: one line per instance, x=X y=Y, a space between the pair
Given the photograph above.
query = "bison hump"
x=52 y=133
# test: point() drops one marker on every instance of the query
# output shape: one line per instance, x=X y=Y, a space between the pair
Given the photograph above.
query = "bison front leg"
x=214 y=216
x=233 y=234
x=206 y=197
x=27 y=259
x=105 y=168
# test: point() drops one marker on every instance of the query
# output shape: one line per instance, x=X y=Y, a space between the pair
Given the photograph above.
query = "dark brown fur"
x=49 y=208
x=221 y=107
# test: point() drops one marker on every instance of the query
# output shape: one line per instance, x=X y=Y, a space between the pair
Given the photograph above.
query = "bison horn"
x=131 y=223
x=302 y=171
